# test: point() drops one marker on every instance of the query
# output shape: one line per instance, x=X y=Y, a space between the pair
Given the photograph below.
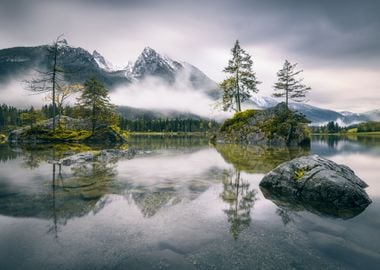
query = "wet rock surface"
x=318 y=185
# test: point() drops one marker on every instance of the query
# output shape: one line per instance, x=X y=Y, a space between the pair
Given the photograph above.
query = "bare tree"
x=62 y=94
x=48 y=81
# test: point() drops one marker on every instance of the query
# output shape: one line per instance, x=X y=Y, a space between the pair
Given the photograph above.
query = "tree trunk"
x=238 y=107
x=54 y=79
x=93 y=118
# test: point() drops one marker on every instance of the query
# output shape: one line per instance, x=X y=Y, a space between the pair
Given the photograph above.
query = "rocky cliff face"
x=277 y=126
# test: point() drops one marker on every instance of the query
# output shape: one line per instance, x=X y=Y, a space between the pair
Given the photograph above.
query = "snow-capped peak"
x=104 y=63
x=262 y=102
x=150 y=62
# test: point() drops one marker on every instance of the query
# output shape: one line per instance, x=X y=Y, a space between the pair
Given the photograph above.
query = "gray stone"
x=104 y=155
x=318 y=184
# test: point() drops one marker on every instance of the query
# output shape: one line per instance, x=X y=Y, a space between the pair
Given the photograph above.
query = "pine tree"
x=241 y=81
x=288 y=86
x=95 y=99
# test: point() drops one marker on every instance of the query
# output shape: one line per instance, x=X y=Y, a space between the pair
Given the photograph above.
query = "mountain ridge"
x=23 y=60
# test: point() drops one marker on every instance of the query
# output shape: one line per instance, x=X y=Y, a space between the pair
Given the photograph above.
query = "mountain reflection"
x=240 y=199
x=58 y=193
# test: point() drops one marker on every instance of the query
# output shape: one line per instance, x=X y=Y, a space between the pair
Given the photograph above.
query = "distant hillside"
x=131 y=113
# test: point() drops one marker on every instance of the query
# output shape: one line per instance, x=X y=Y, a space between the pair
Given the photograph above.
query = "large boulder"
x=316 y=184
x=107 y=134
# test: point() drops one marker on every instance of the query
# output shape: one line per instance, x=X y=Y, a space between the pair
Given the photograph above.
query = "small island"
x=95 y=119
x=277 y=126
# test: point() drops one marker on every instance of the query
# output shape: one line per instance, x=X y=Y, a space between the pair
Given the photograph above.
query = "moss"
x=60 y=135
x=298 y=174
x=117 y=130
x=70 y=147
x=239 y=120
x=3 y=138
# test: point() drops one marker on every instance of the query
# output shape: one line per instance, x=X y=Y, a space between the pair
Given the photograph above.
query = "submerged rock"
x=317 y=184
x=89 y=156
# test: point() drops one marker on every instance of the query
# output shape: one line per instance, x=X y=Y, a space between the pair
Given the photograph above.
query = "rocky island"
x=68 y=130
x=277 y=126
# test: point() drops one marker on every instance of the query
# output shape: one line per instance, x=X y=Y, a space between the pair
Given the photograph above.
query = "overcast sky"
x=336 y=42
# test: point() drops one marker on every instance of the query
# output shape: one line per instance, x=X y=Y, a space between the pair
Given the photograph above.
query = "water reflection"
x=240 y=199
x=256 y=159
x=69 y=192
x=175 y=205
x=329 y=145
x=321 y=208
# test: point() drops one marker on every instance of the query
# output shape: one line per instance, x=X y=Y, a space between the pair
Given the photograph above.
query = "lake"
x=180 y=203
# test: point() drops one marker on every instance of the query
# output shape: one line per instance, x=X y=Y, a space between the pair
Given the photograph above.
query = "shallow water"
x=180 y=203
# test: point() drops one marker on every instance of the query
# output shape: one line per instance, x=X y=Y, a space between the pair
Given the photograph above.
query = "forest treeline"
x=12 y=117
x=333 y=127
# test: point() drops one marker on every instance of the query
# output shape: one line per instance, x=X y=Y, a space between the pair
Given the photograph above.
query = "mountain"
x=21 y=62
x=318 y=116
x=152 y=64
x=79 y=64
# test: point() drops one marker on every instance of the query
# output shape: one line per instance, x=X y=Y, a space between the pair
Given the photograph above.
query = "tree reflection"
x=240 y=198
x=76 y=193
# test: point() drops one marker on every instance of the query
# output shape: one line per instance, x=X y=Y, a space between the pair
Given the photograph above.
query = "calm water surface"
x=178 y=204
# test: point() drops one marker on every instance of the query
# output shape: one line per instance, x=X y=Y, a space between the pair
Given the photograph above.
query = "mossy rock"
x=107 y=134
x=277 y=126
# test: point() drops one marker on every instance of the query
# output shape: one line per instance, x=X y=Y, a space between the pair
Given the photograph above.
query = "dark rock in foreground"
x=318 y=185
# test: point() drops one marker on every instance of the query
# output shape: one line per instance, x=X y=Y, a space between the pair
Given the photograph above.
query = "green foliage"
x=95 y=99
x=278 y=124
x=368 y=127
x=288 y=85
x=239 y=120
x=60 y=135
x=255 y=159
x=241 y=81
x=284 y=123
x=118 y=130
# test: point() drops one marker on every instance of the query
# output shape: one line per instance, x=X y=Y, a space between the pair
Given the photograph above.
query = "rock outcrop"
x=68 y=130
x=318 y=185
x=277 y=126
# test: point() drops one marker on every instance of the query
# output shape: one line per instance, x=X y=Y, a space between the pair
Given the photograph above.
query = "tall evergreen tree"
x=241 y=81
x=288 y=85
x=95 y=99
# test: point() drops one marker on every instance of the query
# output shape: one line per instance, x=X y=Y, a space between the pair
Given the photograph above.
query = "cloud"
x=15 y=94
x=156 y=94
x=324 y=34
